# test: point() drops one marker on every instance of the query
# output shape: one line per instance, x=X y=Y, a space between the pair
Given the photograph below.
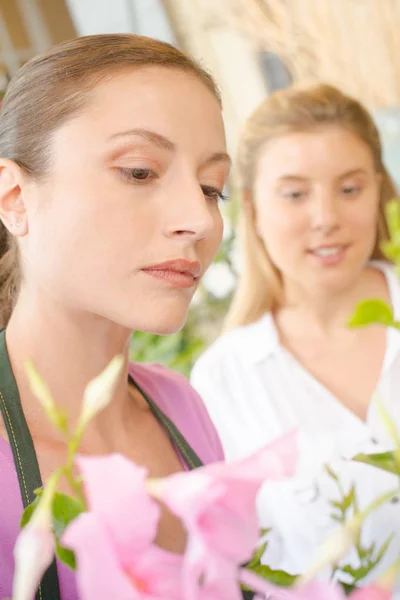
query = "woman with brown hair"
x=112 y=165
x=314 y=192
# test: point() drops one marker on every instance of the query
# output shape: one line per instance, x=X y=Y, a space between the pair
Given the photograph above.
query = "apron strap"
x=24 y=454
x=188 y=454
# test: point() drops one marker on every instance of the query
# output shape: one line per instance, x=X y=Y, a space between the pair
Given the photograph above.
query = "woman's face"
x=134 y=183
x=316 y=201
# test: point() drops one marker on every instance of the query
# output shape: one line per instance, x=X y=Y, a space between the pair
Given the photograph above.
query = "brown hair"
x=292 y=110
x=50 y=89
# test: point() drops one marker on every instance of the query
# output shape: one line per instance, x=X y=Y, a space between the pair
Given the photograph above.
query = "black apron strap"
x=188 y=454
x=25 y=459
x=24 y=454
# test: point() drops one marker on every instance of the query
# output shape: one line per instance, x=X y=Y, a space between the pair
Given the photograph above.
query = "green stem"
x=378 y=502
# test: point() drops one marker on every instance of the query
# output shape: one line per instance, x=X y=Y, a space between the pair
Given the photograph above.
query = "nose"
x=325 y=213
x=191 y=215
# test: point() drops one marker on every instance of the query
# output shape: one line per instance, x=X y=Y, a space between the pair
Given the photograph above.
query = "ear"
x=12 y=206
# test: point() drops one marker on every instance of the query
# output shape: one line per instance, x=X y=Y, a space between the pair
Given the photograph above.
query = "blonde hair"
x=292 y=110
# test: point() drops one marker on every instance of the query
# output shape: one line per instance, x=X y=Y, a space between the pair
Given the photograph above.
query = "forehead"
x=172 y=102
x=328 y=150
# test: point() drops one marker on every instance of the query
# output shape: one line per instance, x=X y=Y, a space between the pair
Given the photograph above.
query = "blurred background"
x=251 y=47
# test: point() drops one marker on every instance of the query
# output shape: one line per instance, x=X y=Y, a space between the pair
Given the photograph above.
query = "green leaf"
x=28 y=512
x=390 y=425
x=373 y=311
x=65 y=510
x=357 y=572
x=383 y=549
x=391 y=250
x=276 y=577
x=385 y=461
x=337 y=504
x=255 y=561
x=347 y=587
x=337 y=518
x=66 y=556
x=348 y=500
x=392 y=211
x=331 y=472
x=366 y=552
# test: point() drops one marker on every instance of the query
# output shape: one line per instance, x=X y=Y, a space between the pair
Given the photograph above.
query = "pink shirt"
x=174 y=395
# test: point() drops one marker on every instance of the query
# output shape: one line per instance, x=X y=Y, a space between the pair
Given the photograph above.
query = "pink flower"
x=314 y=590
x=371 y=592
x=113 y=542
x=217 y=504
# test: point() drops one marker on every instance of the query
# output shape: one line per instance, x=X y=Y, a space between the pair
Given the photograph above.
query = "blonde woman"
x=314 y=191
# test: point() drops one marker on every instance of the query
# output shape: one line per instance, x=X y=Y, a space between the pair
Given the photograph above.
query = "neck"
x=68 y=350
x=327 y=312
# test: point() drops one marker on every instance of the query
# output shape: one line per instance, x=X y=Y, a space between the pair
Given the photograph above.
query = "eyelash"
x=129 y=175
x=214 y=193
x=351 y=190
x=295 y=195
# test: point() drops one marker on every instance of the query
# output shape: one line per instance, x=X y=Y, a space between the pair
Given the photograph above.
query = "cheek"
x=362 y=217
x=216 y=236
x=280 y=225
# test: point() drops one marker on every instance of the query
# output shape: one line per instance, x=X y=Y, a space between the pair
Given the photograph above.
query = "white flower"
x=34 y=549
x=99 y=392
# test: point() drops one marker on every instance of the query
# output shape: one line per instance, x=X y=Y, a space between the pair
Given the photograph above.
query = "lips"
x=179 y=273
x=183 y=266
x=328 y=250
x=330 y=255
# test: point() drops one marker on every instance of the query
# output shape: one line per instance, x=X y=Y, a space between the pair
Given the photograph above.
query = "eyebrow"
x=289 y=177
x=166 y=144
x=150 y=136
x=353 y=172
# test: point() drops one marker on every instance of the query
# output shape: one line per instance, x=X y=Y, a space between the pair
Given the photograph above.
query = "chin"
x=161 y=322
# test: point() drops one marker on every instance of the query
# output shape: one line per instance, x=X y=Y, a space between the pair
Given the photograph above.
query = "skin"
x=312 y=190
x=134 y=181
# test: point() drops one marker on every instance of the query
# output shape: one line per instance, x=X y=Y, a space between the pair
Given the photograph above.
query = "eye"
x=294 y=194
x=138 y=175
x=351 y=190
x=214 y=193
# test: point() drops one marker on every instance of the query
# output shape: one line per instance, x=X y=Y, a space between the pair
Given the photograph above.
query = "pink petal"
x=99 y=574
x=261 y=586
x=275 y=461
x=159 y=571
x=116 y=492
x=371 y=592
x=315 y=590
x=221 y=581
x=195 y=563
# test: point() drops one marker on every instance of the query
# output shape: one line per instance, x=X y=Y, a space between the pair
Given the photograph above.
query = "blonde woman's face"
x=316 y=200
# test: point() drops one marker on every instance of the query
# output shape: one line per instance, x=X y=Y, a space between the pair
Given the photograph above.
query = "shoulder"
x=175 y=396
x=10 y=515
x=238 y=348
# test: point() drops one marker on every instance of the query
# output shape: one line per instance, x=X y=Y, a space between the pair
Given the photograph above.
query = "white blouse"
x=255 y=391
